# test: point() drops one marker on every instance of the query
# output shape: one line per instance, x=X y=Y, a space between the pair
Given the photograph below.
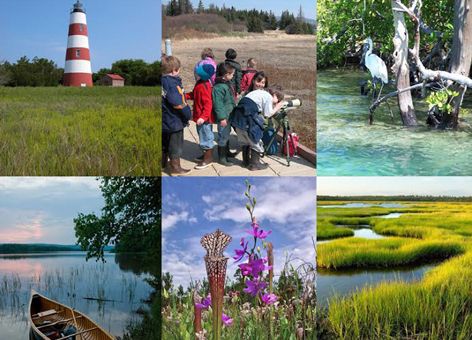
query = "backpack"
x=266 y=137
x=292 y=146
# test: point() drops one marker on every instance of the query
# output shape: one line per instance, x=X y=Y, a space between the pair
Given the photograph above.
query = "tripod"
x=282 y=123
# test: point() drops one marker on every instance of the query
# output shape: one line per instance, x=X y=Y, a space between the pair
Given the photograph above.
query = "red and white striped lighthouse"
x=78 y=70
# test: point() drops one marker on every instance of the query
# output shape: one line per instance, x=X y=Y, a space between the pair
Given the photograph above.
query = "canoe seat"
x=59 y=321
x=45 y=313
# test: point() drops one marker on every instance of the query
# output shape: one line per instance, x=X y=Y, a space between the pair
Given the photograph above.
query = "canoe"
x=51 y=320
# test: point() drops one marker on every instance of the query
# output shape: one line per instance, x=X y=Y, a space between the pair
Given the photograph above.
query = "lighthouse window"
x=77 y=53
x=81 y=27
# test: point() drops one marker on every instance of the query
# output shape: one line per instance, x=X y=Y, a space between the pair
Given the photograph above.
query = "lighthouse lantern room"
x=78 y=70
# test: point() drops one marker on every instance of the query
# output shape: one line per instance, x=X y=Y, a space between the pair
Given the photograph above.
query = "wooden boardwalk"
x=277 y=163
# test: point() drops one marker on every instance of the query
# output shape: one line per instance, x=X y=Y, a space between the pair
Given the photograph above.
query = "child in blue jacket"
x=175 y=116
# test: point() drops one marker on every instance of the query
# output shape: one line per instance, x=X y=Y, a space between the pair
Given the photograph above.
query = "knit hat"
x=205 y=71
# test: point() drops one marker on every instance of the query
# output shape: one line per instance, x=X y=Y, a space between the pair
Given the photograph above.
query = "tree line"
x=256 y=21
x=412 y=198
x=43 y=72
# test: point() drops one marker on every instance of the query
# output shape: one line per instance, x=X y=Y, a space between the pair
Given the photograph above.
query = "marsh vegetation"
x=80 y=131
x=427 y=256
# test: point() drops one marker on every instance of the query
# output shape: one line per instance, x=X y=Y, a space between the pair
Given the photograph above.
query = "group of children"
x=224 y=94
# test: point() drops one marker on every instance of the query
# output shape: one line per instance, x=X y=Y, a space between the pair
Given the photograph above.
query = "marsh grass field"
x=287 y=60
x=438 y=306
x=95 y=131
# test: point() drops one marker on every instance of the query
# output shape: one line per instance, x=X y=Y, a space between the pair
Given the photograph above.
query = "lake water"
x=344 y=282
x=348 y=146
x=67 y=278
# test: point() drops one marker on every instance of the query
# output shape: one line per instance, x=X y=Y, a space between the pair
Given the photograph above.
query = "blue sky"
x=42 y=209
x=277 y=6
x=118 y=29
x=436 y=186
x=193 y=207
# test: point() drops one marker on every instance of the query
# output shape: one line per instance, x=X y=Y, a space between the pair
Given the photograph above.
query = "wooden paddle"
x=75 y=323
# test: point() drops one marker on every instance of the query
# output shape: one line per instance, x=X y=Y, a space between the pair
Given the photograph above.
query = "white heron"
x=375 y=65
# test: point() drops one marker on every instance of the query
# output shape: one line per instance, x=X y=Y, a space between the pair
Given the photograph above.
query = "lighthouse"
x=78 y=70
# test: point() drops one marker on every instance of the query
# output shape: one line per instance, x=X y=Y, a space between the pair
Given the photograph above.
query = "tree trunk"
x=401 y=67
x=461 y=55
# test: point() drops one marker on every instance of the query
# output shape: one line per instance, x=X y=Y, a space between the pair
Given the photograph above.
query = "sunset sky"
x=42 y=209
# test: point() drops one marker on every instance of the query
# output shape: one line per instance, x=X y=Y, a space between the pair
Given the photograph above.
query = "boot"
x=164 y=161
x=246 y=151
x=199 y=159
x=222 y=159
x=176 y=169
x=206 y=161
x=230 y=154
x=255 y=163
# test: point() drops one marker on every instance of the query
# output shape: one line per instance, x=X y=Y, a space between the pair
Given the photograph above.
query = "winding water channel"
x=331 y=283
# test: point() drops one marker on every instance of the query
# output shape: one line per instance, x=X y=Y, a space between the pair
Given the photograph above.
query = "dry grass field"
x=288 y=60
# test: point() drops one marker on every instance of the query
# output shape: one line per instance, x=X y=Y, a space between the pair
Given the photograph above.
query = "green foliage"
x=403 y=198
x=137 y=72
x=343 y=25
x=442 y=100
x=66 y=131
x=130 y=218
x=254 y=24
x=25 y=72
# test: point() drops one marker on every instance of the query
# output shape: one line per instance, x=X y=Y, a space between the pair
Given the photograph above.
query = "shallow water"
x=367 y=233
x=343 y=283
x=68 y=278
x=348 y=146
x=391 y=215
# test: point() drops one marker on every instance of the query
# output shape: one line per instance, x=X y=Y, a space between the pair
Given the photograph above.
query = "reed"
x=437 y=307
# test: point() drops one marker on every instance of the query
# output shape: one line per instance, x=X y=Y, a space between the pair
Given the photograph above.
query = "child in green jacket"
x=223 y=104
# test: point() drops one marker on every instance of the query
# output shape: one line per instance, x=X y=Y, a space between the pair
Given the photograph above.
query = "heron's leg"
x=380 y=92
x=374 y=88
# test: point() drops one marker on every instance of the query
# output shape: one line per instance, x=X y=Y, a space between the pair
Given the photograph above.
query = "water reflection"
x=345 y=282
x=114 y=294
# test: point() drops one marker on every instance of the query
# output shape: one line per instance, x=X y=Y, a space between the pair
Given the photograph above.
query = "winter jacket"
x=202 y=101
x=223 y=99
x=173 y=94
x=248 y=75
x=246 y=117
x=205 y=61
x=238 y=75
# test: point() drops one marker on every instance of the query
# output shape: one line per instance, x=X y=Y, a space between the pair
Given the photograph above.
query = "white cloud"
x=279 y=200
x=171 y=220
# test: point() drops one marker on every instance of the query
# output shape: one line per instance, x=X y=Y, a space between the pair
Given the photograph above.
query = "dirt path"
x=288 y=60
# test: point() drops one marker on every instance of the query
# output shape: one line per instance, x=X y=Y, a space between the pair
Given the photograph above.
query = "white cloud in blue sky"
x=193 y=207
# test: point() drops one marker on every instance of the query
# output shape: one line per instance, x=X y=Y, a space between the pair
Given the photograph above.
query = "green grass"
x=80 y=131
x=390 y=252
x=437 y=307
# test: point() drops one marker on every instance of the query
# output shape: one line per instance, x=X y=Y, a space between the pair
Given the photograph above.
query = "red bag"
x=293 y=141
